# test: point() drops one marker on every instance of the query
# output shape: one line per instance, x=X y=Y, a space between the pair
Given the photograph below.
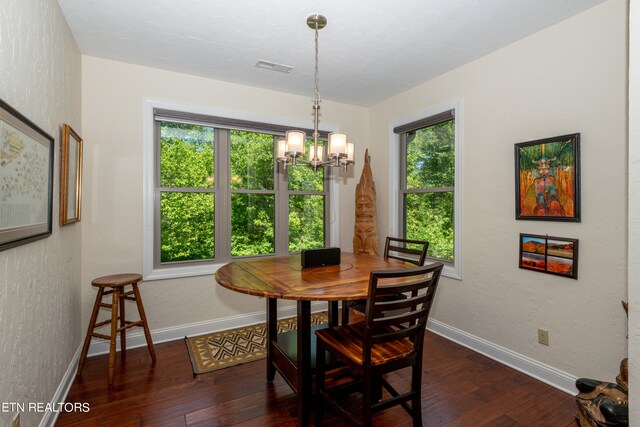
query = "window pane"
x=303 y=177
x=252 y=160
x=186 y=155
x=430 y=156
x=186 y=226
x=306 y=222
x=429 y=216
x=252 y=224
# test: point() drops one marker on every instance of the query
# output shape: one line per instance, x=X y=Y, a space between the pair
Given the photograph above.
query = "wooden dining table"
x=291 y=354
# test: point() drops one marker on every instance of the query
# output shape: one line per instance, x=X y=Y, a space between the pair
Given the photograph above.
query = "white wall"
x=568 y=78
x=113 y=96
x=40 y=71
x=634 y=212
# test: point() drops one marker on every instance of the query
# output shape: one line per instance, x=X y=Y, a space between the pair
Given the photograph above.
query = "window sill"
x=180 y=272
x=204 y=270
x=451 y=272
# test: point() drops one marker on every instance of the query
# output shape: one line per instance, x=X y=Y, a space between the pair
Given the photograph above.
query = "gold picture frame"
x=70 y=176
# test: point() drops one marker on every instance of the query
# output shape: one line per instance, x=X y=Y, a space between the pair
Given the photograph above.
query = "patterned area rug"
x=228 y=348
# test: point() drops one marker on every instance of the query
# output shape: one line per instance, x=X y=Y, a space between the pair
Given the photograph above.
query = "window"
x=428 y=185
x=218 y=194
x=187 y=192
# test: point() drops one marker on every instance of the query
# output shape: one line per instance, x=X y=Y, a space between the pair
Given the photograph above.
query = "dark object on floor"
x=603 y=404
x=380 y=345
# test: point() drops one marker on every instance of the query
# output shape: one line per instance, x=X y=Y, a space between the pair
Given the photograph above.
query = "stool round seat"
x=114 y=280
x=114 y=285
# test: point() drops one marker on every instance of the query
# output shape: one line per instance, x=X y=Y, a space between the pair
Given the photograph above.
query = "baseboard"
x=137 y=339
x=49 y=418
x=540 y=371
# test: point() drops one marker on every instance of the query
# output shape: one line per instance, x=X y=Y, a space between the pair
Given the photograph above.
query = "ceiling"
x=369 y=51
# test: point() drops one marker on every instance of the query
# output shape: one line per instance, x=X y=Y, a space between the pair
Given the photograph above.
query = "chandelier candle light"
x=340 y=151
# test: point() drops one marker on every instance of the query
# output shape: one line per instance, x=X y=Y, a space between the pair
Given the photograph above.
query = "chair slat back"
x=384 y=322
x=399 y=249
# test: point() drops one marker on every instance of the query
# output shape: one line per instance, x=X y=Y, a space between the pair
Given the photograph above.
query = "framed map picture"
x=26 y=179
x=553 y=255
x=548 y=179
x=70 y=176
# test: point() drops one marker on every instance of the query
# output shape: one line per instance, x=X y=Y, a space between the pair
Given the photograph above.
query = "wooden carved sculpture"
x=365 y=237
x=603 y=404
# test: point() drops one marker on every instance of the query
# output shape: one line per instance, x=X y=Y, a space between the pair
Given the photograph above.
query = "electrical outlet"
x=543 y=336
x=15 y=422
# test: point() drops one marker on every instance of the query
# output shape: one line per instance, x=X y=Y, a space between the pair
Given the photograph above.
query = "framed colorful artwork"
x=553 y=255
x=548 y=179
x=70 y=176
x=26 y=179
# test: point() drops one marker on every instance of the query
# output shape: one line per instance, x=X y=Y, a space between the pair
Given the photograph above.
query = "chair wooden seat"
x=391 y=337
x=348 y=341
x=115 y=285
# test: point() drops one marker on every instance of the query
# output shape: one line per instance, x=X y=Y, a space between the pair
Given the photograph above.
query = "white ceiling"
x=369 y=51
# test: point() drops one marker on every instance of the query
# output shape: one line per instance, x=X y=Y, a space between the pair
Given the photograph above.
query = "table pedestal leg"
x=333 y=313
x=272 y=332
x=304 y=363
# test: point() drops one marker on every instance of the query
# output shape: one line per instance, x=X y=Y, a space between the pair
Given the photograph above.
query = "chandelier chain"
x=316 y=93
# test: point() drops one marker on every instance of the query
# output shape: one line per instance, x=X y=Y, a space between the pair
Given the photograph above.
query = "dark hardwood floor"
x=460 y=388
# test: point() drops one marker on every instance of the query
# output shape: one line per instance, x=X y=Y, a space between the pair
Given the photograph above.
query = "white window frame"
x=148 y=170
x=452 y=270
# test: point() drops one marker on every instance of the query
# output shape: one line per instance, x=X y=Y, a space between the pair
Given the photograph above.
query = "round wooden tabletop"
x=283 y=277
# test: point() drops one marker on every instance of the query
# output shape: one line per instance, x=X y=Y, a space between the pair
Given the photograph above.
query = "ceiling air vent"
x=272 y=66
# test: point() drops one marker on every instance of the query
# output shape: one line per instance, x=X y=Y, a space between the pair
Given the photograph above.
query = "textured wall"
x=551 y=83
x=40 y=72
x=634 y=212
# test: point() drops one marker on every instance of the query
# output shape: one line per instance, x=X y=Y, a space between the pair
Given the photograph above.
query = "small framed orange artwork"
x=553 y=255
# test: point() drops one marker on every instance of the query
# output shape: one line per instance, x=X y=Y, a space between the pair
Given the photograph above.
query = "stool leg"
x=114 y=333
x=92 y=323
x=145 y=325
x=123 y=331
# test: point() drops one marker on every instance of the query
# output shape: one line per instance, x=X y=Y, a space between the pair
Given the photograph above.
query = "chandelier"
x=340 y=152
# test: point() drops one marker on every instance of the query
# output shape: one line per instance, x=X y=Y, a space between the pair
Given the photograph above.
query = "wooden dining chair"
x=380 y=344
x=413 y=251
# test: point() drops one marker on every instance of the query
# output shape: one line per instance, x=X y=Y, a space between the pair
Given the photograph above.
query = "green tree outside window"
x=430 y=175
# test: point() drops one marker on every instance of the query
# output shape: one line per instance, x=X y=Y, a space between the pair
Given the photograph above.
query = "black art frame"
x=26 y=179
x=547 y=178
x=549 y=254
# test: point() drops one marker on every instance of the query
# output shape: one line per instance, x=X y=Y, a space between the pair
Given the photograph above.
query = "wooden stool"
x=116 y=284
